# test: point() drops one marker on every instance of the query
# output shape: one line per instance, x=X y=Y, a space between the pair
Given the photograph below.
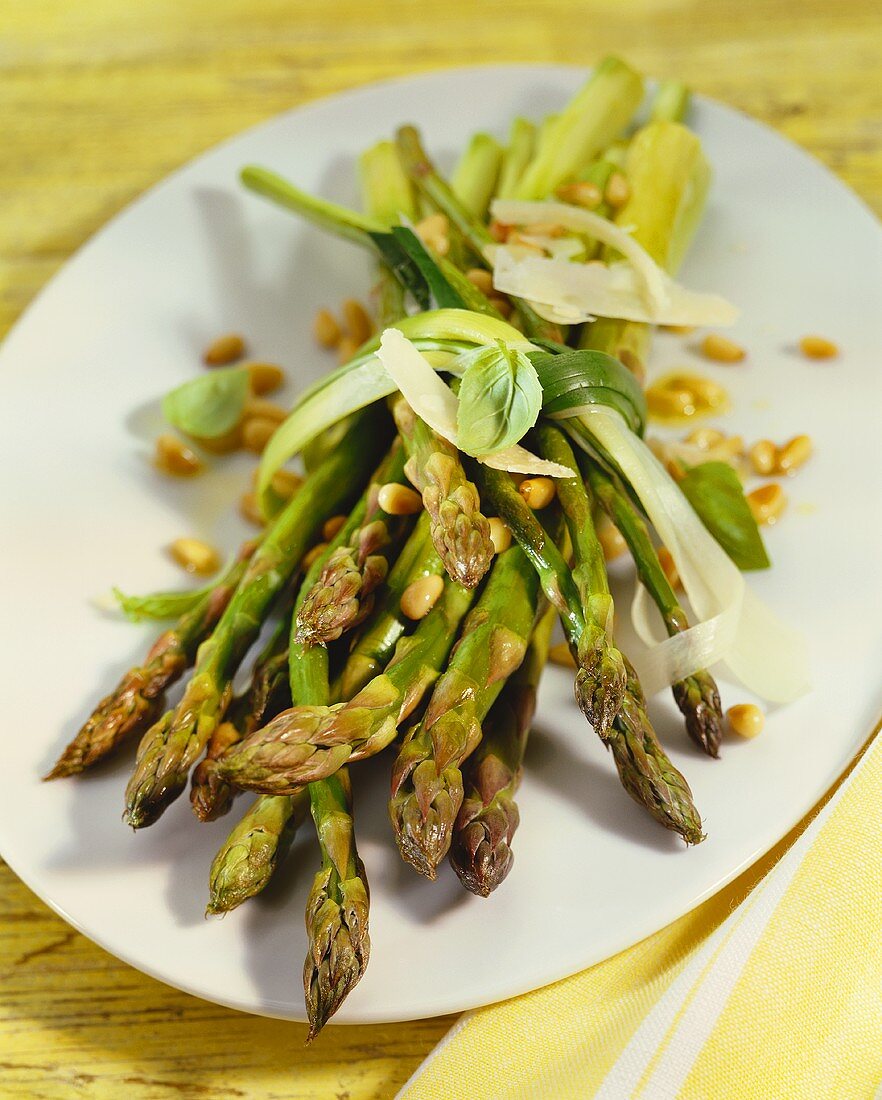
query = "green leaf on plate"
x=714 y=491
x=209 y=405
x=499 y=399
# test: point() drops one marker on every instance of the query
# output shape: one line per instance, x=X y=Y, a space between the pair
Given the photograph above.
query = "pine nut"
x=547 y=229
x=675 y=470
x=520 y=240
x=224 y=350
x=433 y=232
x=499 y=231
x=257 y=432
x=480 y=278
x=313 y=555
x=420 y=597
x=817 y=347
x=582 y=193
x=346 y=349
x=617 y=191
x=560 y=655
x=399 y=500
x=721 y=349
x=223 y=444
x=767 y=503
x=195 y=556
x=794 y=454
x=325 y=329
x=265 y=378
x=501 y=305
x=666 y=561
x=250 y=509
x=611 y=542
x=746 y=720
x=705 y=438
x=538 y=492
x=500 y=535
x=285 y=483
x=331 y=526
x=265 y=410
x=175 y=458
x=357 y=321
x=763 y=456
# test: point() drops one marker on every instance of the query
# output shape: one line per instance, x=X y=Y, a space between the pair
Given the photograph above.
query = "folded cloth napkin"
x=771 y=989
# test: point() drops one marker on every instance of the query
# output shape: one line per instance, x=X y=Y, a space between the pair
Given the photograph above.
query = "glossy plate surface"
x=83 y=509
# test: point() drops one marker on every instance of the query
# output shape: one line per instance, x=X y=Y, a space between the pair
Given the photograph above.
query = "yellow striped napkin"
x=771 y=989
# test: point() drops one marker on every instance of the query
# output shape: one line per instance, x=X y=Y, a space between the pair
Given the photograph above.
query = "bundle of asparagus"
x=426 y=619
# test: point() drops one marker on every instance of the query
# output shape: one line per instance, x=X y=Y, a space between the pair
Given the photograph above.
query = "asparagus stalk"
x=697 y=695
x=670 y=103
x=557 y=582
x=343 y=595
x=595 y=116
x=601 y=665
x=474 y=178
x=427 y=785
x=169 y=749
x=480 y=850
x=267 y=694
x=646 y=773
x=459 y=530
x=424 y=174
x=137 y=700
x=309 y=743
x=246 y=861
x=388 y=196
x=521 y=143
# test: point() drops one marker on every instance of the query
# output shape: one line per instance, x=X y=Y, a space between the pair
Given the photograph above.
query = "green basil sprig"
x=714 y=491
x=209 y=405
x=499 y=399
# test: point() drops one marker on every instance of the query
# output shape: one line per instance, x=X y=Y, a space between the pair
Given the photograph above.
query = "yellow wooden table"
x=100 y=99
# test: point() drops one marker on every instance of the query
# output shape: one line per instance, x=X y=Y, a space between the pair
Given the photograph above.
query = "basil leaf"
x=714 y=491
x=576 y=378
x=209 y=405
x=161 y=605
x=402 y=267
x=499 y=399
x=444 y=294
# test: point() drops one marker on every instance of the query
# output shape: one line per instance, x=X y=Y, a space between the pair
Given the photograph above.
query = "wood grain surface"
x=98 y=100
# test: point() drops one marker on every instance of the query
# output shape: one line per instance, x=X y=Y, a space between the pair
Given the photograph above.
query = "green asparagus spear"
x=474 y=178
x=309 y=743
x=248 y=858
x=343 y=595
x=168 y=750
x=460 y=532
x=646 y=773
x=601 y=665
x=480 y=850
x=670 y=103
x=518 y=154
x=137 y=700
x=427 y=785
x=697 y=695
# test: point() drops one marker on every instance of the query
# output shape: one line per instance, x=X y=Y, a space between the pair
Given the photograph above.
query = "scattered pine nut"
x=705 y=438
x=357 y=321
x=265 y=410
x=250 y=509
x=257 y=432
x=195 y=556
x=817 y=347
x=617 y=191
x=265 y=378
x=325 y=329
x=500 y=535
x=420 y=597
x=538 y=492
x=223 y=444
x=560 y=655
x=346 y=349
x=480 y=278
x=794 y=454
x=175 y=458
x=499 y=231
x=581 y=193
x=285 y=483
x=666 y=561
x=522 y=240
x=331 y=526
x=313 y=555
x=767 y=503
x=721 y=349
x=763 y=456
x=433 y=232
x=399 y=500
x=224 y=350
x=746 y=720
x=501 y=305
x=610 y=538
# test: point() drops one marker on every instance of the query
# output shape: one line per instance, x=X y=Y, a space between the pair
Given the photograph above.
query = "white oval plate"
x=126 y=320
